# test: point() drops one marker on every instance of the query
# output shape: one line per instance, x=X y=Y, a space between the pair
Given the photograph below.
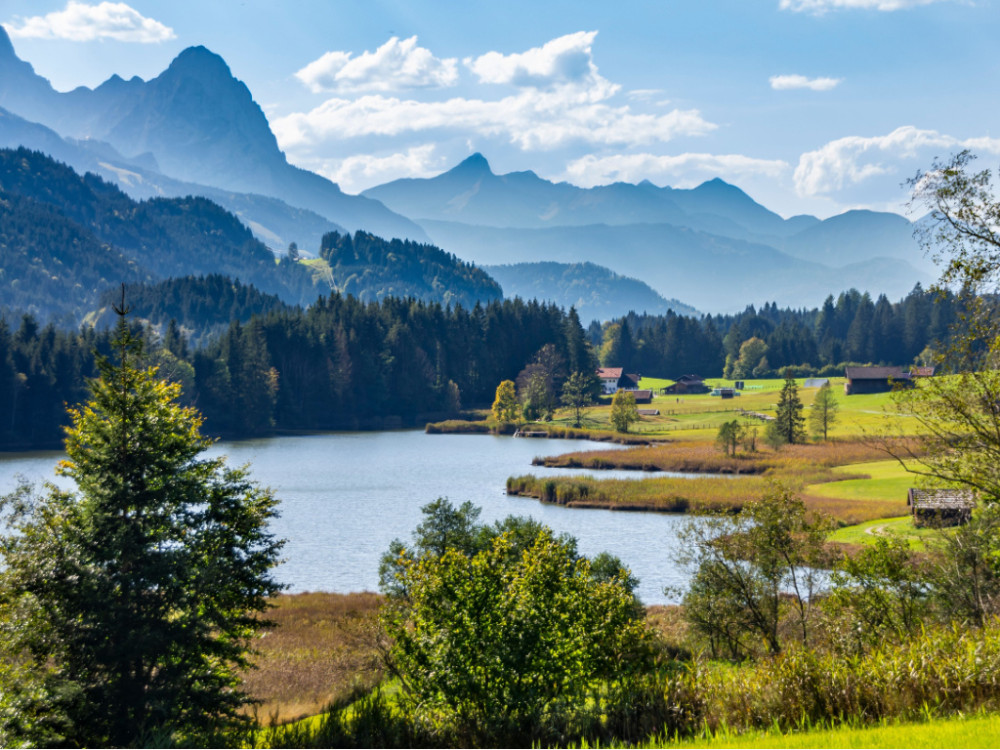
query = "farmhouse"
x=874 y=379
x=687 y=384
x=943 y=507
x=614 y=379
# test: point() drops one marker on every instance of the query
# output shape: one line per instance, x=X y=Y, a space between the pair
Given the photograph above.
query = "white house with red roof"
x=614 y=379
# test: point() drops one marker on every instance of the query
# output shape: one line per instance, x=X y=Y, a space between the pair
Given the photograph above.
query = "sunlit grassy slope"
x=976 y=732
x=697 y=417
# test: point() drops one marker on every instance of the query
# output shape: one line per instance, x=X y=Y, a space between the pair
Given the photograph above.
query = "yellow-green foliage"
x=979 y=731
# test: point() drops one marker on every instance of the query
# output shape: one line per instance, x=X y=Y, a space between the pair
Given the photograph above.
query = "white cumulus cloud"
x=564 y=61
x=396 y=65
x=785 y=82
x=822 y=6
x=360 y=171
x=848 y=161
x=79 y=22
x=531 y=119
x=681 y=170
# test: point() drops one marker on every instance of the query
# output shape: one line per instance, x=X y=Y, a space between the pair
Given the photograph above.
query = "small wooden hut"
x=940 y=507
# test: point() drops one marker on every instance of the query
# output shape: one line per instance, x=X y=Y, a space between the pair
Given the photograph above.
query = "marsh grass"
x=703 y=456
x=321 y=649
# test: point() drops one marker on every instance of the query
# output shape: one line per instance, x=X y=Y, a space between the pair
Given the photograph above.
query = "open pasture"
x=698 y=416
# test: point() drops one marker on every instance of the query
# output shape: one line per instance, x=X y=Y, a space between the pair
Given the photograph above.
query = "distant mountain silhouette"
x=195 y=122
x=713 y=244
x=712 y=273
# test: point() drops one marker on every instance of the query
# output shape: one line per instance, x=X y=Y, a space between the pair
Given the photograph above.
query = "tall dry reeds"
x=321 y=649
x=705 y=457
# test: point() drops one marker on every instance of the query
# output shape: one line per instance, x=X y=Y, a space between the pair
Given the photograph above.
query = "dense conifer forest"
x=344 y=363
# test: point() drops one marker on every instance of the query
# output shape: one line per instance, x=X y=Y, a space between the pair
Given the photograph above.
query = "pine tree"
x=137 y=595
x=788 y=419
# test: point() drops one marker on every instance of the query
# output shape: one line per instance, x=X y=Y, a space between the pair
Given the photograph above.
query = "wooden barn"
x=941 y=507
x=687 y=384
x=874 y=379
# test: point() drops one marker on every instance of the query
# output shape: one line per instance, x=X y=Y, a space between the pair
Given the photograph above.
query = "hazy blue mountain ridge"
x=711 y=273
x=196 y=123
x=272 y=221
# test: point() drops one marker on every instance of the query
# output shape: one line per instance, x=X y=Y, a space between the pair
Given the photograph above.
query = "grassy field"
x=885 y=480
x=976 y=732
x=849 y=477
x=866 y=533
x=697 y=417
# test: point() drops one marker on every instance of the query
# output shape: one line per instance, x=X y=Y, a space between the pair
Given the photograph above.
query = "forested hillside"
x=67 y=239
x=50 y=266
x=371 y=268
x=137 y=241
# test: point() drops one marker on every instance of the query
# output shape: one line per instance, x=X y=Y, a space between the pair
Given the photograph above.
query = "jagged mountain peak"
x=6 y=46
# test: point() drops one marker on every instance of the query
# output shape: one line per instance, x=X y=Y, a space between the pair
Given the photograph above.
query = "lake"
x=346 y=496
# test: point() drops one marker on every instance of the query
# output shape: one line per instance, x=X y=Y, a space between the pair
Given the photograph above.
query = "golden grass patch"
x=321 y=648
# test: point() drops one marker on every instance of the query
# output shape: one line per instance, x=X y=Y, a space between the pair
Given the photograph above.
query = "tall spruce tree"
x=136 y=596
x=788 y=420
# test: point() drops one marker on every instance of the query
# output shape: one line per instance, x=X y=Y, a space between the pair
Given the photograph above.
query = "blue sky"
x=811 y=106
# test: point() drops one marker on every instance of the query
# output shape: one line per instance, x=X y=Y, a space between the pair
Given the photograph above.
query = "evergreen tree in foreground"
x=128 y=605
x=788 y=422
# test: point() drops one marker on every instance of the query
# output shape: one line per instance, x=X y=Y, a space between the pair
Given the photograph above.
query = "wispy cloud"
x=786 y=82
x=79 y=22
x=822 y=6
x=396 y=65
x=681 y=170
x=855 y=159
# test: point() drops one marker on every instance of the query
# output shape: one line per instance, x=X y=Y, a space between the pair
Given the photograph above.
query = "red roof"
x=609 y=372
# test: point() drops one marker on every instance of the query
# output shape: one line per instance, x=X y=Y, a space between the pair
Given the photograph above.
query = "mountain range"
x=196 y=130
x=715 y=242
x=196 y=123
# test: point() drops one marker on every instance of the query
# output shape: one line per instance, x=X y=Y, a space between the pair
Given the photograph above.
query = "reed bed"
x=679 y=495
x=321 y=649
x=705 y=457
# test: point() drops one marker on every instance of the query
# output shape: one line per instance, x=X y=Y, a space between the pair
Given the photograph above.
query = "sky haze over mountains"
x=810 y=106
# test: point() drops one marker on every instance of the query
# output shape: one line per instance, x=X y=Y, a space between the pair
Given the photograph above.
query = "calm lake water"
x=345 y=496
